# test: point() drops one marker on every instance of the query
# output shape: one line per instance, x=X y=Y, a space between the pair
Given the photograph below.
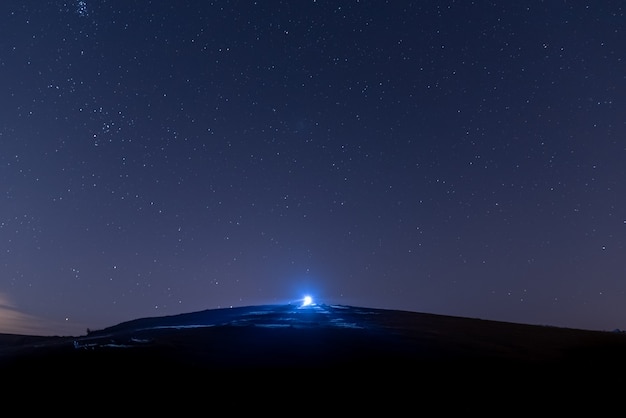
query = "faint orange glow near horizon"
x=13 y=321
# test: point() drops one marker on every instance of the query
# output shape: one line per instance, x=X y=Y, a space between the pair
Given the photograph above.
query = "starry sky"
x=463 y=158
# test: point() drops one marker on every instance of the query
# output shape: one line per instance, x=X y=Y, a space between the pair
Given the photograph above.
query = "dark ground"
x=286 y=346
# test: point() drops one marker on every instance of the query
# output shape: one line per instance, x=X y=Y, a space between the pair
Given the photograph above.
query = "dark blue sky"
x=452 y=157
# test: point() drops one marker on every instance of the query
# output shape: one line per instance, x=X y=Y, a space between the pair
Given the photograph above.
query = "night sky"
x=463 y=158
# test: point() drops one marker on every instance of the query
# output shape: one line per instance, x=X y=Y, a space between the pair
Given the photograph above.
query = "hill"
x=318 y=336
x=360 y=345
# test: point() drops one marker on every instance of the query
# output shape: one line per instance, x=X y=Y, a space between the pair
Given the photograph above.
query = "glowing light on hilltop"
x=308 y=300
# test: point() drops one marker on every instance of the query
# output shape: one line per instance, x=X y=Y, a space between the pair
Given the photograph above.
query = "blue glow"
x=308 y=300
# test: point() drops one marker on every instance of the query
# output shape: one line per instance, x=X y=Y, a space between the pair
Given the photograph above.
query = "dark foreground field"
x=287 y=345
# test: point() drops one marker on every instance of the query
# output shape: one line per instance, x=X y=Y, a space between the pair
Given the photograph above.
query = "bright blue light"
x=308 y=300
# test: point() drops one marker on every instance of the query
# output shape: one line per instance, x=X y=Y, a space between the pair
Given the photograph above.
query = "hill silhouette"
x=316 y=336
x=348 y=345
